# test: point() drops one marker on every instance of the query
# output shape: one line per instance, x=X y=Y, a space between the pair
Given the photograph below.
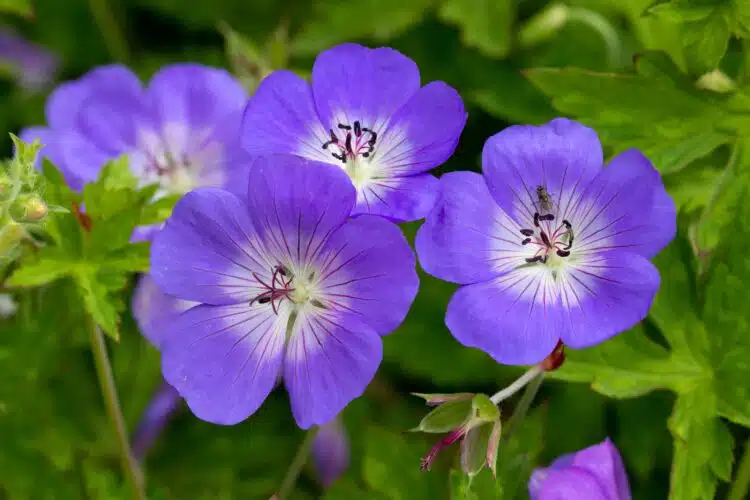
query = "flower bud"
x=543 y=26
x=330 y=452
x=35 y=209
x=10 y=236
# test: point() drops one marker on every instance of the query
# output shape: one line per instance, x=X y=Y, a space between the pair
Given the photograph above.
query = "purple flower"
x=157 y=414
x=154 y=310
x=33 y=66
x=330 y=451
x=289 y=289
x=549 y=245
x=365 y=113
x=182 y=131
x=595 y=473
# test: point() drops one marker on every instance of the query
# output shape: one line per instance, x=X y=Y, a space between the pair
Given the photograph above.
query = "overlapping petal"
x=398 y=198
x=154 y=311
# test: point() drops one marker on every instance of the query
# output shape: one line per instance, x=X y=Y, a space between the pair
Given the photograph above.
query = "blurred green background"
x=669 y=79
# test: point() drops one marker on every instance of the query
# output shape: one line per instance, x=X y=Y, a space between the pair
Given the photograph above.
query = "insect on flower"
x=366 y=113
x=288 y=289
x=561 y=254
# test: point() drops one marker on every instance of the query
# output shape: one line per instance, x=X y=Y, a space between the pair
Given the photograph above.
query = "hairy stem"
x=290 y=479
x=517 y=385
x=522 y=408
x=109 y=393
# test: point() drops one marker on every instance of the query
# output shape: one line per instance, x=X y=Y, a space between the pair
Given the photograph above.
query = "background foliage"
x=671 y=78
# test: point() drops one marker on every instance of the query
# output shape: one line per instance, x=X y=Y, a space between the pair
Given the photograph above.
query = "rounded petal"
x=330 y=452
x=225 y=360
x=570 y=484
x=154 y=310
x=369 y=270
x=562 y=156
x=351 y=82
x=79 y=159
x=66 y=101
x=605 y=295
x=207 y=251
x=465 y=237
x=398 y=198
x=296 y=204
x=281 y=118
x=514 y=318
x=626 y=207
x=423 y=133
x=112 y=119
x=161 y=408
x=192 y=94
x=330 y=359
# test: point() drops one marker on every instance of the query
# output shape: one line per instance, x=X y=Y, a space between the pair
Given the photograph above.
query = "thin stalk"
x=741 y=483
x=290 y=479
x=517 y=385
x=524 y=404
x=113 y=36
x=109 y=393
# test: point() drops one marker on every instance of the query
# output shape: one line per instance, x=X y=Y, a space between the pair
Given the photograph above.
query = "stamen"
x=357 y=129
x=526 y=241
x=344 y=127
x=527 y=232
x=277 y=291
x=545 y=238
x=563 y=253
x=360 y=143
x=536 y=219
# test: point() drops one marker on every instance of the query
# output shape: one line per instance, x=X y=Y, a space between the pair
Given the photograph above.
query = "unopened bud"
x=543 y=26
x=10 y=236
x=36 y=210
x=330 y=452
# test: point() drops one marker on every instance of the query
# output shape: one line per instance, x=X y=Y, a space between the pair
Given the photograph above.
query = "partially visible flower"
x=155 y=417
x=365 y=113
x=594 y=473
x=33 y=65
x=330 y=451
x=180 y=132
x=289 y=287
x=550 y=246
x=154 y=310
x=8 y=305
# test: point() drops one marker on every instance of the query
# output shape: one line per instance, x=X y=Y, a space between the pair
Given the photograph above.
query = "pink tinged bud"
x=493 y=445
x=593 y=473
x=448 y=440
x=330 y=452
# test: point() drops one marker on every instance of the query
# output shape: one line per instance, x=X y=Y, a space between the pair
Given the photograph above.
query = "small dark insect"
x=544 y=198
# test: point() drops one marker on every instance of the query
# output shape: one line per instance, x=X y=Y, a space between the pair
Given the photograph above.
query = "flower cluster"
x=282 y=262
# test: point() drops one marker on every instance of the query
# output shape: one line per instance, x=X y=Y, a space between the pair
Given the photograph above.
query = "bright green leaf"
x=99 y=302
x=485 y=24
x=49 y=266
x=446 y=417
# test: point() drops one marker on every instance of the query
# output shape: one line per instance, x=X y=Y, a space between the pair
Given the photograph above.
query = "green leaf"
x=48 y=265
x=446 y=417
x=485 y=24
x=333 y=21
x=18 y=7
x=99 y=302
x=655 y=110
x=133 y=258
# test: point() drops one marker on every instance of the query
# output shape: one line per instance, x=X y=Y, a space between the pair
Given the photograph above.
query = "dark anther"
x=373 y=137
x=536 y=219
x=357 y=129
x=264 y=300
x=340 y=157
x=527 y=232
x=349 y=143
x=526 y=241
x=563 y=253
x=536 y=258
x=545 y=238
x=344 y=127
x=570 y=243
x=567 y=224
x=547 y=217
x=365 y=154
x=334 y=139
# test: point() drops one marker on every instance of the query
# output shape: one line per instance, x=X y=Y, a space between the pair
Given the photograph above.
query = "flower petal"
x=207 y=251
x=154 y=310
x=626 y=206
x=467 y=238
x=111 y=119
x=331 y=357
x=369 y=270
x=351 y=82
x=225 y=360
x=398 y=198
x=563 y=156
x=295 y=204
x=192 y=94
x=514 y=318
x=423 y=133
x=571 y=484
x=330 y=452
x=281 y=118
x=604 y=295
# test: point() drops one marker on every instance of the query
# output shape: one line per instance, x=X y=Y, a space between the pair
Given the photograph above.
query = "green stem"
x=109 y=392
x=290 y=479
x=113 y=36
x=741 y=483
x=522 y=408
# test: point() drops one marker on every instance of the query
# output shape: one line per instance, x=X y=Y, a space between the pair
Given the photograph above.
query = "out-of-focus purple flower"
x=594 y=473
x=154 y=310
x=289 y=289
x=549 y=245
x=159 y=411
x=182 y=131
x=365 y=113
x=33 y=66
x=330 y=451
